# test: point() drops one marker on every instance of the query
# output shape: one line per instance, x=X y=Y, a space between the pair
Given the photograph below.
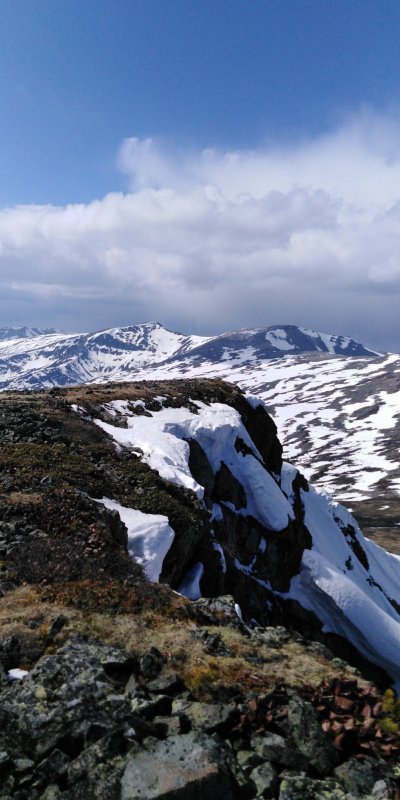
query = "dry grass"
x=248 y=668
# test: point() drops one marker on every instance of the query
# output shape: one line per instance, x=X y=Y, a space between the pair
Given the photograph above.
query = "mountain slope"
x=187 y=478
x=23 y=333
x=325 y=564
x=68 y=359
x=251 y=345
x=336 y=413
x=339 y=417
x=43 y=360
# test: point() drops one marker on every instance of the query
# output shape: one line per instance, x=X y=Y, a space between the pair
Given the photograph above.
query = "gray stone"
x=187 y=767
x=265 y=779
x=248 y=759
x=171 y=725
x=51 y=793
x=54 y=766
x=22 y=765
x=274 y=637
x=133 y=688
x=358 y=777
x=166 y=683
x=4 y=760
x=219 y=611
x=303 y=788
x=272 y=747
x=159 y=705
x=380 y=791
x=208 y=717
x=310 y=739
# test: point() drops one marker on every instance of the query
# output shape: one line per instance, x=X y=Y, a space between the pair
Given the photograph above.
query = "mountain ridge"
x=51 y=359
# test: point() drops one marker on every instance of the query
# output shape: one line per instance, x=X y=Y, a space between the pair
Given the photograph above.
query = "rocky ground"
x=132 y=691
x=219 y=712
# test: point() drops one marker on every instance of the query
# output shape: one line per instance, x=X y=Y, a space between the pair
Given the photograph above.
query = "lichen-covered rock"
x=186 y=767
x=309 y=738
x=67 y=700
x=207 y=717
x=273 y=747
x=359 y=777
x=304 y=788
x=265 y=778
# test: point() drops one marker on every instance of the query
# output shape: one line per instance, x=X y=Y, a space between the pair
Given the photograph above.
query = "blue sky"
x=230 y=107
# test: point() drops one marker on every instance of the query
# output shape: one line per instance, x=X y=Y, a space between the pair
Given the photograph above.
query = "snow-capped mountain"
x=56 y=359
x=23 y=333
x=252 y=344
x=59 y=359
x=335 y=401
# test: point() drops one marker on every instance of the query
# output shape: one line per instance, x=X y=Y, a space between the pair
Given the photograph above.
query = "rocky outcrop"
x=93 y=721
x=56 y=466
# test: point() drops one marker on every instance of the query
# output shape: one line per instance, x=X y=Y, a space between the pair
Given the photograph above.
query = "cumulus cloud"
x=212 y=240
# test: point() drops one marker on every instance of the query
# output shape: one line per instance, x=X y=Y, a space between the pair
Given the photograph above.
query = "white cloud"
x=211 y=240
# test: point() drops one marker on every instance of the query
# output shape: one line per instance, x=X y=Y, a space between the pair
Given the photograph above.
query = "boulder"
x=303 y=788
x=207 y=717
x=186 y=767
x=309 y=737
x=359 y=777
x=266 y=780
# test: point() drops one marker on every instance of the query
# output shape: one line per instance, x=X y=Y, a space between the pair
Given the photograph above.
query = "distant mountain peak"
x=35 y=358
x=24 y=332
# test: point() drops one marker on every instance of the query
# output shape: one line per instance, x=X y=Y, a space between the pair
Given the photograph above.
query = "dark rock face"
x=308 y=737
x=241 y=537
x=263 y=432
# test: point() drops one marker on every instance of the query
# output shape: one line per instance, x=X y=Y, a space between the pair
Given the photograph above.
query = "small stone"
x=57 y=625
x=357 y=777
x=208 y=717
x=248 y=759
x=151 y=663
x=303 y=788
x=380 y=791
x=133 y=687
x=51 y=793
x=339 y=663
x=166 y=683
x=22 y=765
x=159 y=705
x=266 y=780
x=272 y=747
x=40 y=693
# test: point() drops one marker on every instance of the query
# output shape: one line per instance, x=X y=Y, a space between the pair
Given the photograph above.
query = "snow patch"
x=150 y=536
x=190 y=586
x=162 y=437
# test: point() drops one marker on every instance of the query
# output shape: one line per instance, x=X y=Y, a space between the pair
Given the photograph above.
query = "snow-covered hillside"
x=338 y=417
x=36 y=360
x=23 y=333
x=347 y=582
x=60 y=359
x=334 y=401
